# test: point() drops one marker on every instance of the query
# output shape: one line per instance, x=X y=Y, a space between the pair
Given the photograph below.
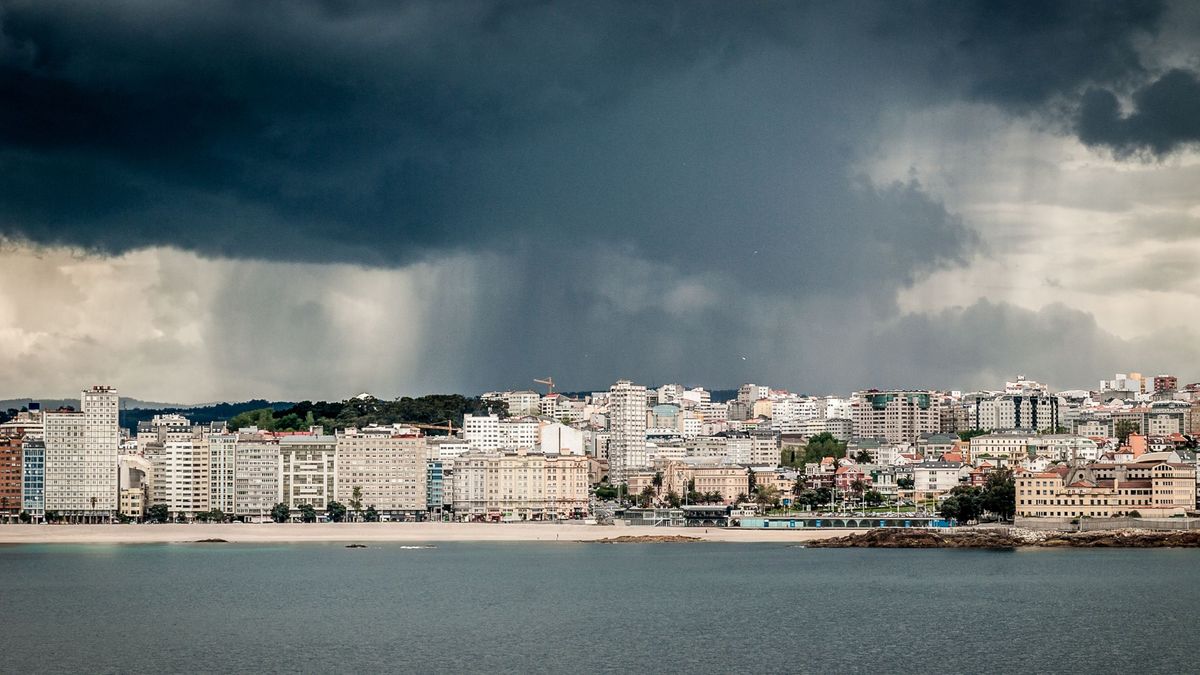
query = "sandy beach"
x=381 y=532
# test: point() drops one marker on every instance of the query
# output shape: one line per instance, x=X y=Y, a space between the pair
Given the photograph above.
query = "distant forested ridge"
x=199 y=415
x=359 y=412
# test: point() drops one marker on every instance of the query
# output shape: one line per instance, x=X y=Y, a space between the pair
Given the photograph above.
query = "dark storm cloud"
x=299 y=130
x=1165 y=116
x=675 y=145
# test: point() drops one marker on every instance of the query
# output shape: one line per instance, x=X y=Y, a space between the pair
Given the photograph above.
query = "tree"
x=964 y=504
x=605 y=492
x=799 y=486
x=673 y=499
x=657 y=481
x=824 y=495
x=646 y=498
x=336 y=511
x=808 y=498
x=1123 y=428
x=873 y=498
x=1000 y=494
x=308 y=514
x=158 y=513
x=371 y=515
x=858 y=487
x=280 y=513
x=863 y=457
x=54 y=516
x=25 y=517
x=766 y=495
x=905 y=482
x=356 y=500
x=968 y=435
x=822 y=445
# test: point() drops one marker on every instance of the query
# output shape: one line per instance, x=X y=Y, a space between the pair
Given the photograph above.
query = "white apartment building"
x=840 y=428
x=1009 y=446
x=555 y=438
x=520 y=486
x=179 y=455
x=255 y=475
x=765 y=448
x=222 y=470
x=307 y=471
x=442 y=448
x=387 y=464
x=523 y=402
x=932 y=479
x=81 y=457
x=1032 y=412
x=627 y=429
x=489 y=433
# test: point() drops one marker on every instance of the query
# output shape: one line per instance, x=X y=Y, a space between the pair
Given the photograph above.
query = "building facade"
x=896 y=416
x=307 y=471
x=627 y=429
x=388 y=467
x=81 y=457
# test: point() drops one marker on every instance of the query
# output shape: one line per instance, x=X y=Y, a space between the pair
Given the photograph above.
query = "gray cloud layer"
x=681 y=172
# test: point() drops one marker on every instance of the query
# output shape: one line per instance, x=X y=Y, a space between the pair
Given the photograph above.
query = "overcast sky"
x=224 y=200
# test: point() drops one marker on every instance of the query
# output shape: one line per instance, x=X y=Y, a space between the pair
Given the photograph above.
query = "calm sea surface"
x=705 y=608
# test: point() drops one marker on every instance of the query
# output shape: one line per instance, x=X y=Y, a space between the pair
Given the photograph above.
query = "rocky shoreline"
x=1004 y=539
x=649 y=539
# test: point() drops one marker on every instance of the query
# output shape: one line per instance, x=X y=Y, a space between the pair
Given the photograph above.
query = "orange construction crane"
x=549 y=382
x=447 y=426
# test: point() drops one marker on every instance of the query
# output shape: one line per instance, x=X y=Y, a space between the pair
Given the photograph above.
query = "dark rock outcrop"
x=1000 y=539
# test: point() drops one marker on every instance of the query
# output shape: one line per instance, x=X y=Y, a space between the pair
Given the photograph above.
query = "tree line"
x=356 y=412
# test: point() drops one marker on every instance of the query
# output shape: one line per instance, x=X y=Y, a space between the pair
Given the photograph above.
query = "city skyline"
x=211 y=203
x=537 y=386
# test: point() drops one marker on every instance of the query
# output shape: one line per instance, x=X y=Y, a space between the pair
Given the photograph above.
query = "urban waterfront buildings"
x=914 y=445
x=1106 y=490
x=520 y=485
x=81 y=457
x=388 y=467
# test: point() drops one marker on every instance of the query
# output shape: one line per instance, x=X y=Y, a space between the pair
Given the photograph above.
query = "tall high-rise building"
x=81 y=457
x=222 y=462
x=895 y=416
x=627 y=429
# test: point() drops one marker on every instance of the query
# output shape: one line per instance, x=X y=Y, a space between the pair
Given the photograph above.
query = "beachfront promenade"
x=380 y=532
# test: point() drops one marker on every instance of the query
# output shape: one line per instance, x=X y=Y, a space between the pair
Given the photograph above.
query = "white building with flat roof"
x=387 y=465
x=81 y=457
x=307 y=471
x=627 y=429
